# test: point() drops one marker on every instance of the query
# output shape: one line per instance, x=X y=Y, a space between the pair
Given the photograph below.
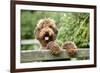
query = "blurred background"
x=72 y=26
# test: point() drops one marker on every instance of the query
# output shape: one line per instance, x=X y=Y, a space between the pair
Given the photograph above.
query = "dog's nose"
x=46 y=33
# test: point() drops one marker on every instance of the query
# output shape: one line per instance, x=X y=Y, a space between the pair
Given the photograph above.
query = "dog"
x=46 y=32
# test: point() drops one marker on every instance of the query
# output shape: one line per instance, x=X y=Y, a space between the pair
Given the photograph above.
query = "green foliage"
x=72 y=26
x=29 y=47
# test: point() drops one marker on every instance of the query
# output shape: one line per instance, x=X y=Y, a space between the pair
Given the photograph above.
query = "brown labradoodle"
x=46 y=32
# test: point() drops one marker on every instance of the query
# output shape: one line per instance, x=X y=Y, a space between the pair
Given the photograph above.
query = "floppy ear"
x=56 y=31
x=54 y=27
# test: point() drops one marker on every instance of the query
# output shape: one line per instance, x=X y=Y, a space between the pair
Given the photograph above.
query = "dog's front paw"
x=72 y=52
x=54 y=48
x=70 y=48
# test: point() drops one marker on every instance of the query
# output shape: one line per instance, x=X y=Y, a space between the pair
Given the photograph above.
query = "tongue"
x=46 y=38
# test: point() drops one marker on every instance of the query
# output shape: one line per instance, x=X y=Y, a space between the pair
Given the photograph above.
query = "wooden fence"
x=45 y=55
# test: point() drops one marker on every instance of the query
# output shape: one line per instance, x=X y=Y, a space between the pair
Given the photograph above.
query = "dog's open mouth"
x=48 y=37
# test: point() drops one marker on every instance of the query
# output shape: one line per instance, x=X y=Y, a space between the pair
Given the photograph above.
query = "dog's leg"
x=70 y=48
x=54 y=48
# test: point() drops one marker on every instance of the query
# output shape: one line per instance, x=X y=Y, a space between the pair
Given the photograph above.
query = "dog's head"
x=46 y=31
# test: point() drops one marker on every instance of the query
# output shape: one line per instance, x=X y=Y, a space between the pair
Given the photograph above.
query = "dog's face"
x=47 y=34
x=46 y=31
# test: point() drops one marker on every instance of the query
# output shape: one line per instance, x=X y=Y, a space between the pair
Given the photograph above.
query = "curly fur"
x=46 y=28
x=54 y=47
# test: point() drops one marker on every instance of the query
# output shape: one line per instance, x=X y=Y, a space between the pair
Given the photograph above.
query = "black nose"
x=46 y=33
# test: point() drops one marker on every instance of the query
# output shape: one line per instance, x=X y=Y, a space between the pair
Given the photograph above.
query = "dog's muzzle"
x=48 y=37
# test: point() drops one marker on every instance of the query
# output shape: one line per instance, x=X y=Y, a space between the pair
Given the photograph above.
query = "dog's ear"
x=56 y=31
x=54 y=27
